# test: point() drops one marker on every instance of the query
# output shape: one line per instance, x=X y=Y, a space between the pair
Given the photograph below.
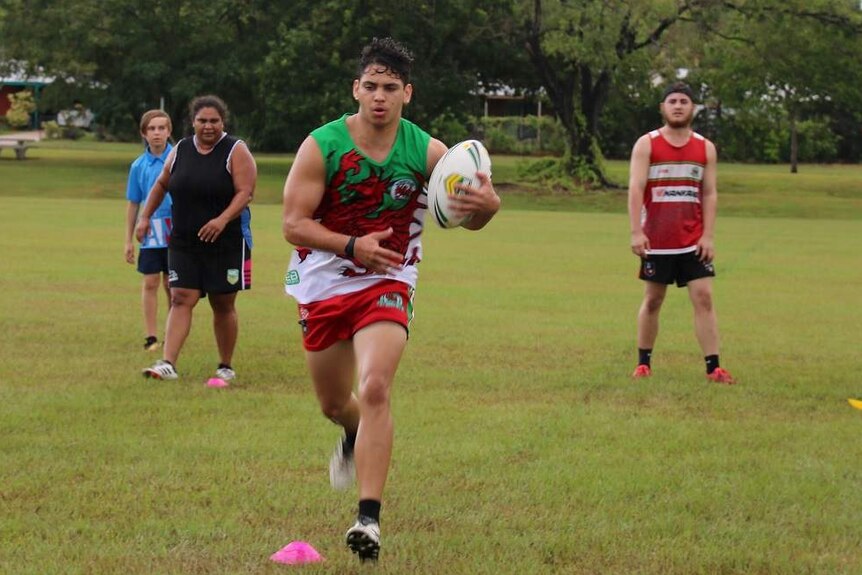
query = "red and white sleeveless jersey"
x=672 y=217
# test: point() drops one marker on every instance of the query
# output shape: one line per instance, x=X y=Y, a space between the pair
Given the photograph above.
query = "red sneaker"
x=721 y=376
x=642 y=370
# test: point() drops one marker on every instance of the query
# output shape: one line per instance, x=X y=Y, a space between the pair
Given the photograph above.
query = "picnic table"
x=18 y=143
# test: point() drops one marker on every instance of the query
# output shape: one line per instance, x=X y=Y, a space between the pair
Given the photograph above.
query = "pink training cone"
x=216 y=382
x=297 y=553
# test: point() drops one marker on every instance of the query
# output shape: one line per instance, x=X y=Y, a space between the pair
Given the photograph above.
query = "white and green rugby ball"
x=457 y=166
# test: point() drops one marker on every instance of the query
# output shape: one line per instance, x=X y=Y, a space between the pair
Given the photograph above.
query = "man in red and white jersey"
x=672 y=207
x=354 y=208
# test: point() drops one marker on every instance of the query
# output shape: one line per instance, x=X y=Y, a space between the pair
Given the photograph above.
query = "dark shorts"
x=338 y=318
x=153 y=261
x=679 y=268
x=226 y=269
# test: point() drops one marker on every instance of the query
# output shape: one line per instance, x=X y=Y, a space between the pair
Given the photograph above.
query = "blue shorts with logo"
x=153 y=260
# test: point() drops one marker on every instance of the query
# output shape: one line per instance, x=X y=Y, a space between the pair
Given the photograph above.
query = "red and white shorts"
x=338 y=318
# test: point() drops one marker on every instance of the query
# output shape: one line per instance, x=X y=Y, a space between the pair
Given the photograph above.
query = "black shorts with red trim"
x=670 y=268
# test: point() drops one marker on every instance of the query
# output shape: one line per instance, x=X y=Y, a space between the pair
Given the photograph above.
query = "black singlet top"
x=201 y=188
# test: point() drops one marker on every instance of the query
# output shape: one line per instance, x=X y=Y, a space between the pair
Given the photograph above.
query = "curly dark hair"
x=392 y=56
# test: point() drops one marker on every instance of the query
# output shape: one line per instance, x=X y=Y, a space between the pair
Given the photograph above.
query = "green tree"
x=580 y=49
x=799 y=57
x=128 y=55
x=459 y=45
x=281 y=67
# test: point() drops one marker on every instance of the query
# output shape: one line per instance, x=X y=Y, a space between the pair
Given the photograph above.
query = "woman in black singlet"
x=211 y=177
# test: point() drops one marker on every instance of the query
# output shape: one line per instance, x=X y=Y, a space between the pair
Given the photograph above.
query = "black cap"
x=680 y=88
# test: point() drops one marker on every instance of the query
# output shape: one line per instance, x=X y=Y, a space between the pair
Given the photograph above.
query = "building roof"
x=15 y=74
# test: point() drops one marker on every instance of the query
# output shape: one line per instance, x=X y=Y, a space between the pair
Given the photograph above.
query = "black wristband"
x=348 y=249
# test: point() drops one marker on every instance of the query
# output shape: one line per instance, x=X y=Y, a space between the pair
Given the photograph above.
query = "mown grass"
x=522 y=446
x=87 y=169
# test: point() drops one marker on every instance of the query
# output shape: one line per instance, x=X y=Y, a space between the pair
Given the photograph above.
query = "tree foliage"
x=286 y=67
x=128 y=56
x=582 y=49
x=282 y=67
x=792 y=61
x=307 y=74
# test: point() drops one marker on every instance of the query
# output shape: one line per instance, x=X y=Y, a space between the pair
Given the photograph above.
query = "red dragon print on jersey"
x=363 y=198
x=303 y=253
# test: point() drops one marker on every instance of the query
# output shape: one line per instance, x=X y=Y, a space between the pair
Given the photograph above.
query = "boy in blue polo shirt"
x=156 y=130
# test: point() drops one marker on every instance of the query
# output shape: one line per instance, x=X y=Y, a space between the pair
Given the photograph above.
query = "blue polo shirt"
x=143 y=174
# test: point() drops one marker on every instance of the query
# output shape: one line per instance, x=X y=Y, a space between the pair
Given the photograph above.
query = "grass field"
x=522 y=446
x=87 y=169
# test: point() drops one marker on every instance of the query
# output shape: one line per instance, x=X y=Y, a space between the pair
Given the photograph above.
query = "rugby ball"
x=457 y=166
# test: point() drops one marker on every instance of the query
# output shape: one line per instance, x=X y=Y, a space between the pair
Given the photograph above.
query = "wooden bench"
x=19 y=145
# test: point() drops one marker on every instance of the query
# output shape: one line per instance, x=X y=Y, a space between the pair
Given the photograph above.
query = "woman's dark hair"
x=208 y=101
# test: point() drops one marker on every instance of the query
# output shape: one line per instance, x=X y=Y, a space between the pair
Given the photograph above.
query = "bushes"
x=748 y=136
x=516 y=135
x=22 y=105
x=817 y=142
x=521 y=135
x=52 y=130
x=449 y=129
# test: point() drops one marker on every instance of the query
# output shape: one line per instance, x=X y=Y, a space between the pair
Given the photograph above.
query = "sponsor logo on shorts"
x=649 y=269
x=392 y=300
x=303 y=319
x=173 y=276
x=232 y=276
x=291 y=278
x=708 y=267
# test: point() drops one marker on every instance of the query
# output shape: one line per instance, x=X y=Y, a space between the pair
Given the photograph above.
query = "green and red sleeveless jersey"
x=363 y=196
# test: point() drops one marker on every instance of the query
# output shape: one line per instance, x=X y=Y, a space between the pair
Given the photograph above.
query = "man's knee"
x=334 y=409
x=652 y=303
x=702 y=301
x=700 y=293
x=374 y=390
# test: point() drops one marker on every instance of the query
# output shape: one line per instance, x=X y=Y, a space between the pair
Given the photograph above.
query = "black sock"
x=644 y=356
x=349 y=441
x=151 y=339
x=711 y=363
x=224 y=365
x=369 y=508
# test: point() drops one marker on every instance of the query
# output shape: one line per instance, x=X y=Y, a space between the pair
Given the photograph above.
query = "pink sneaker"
x=642 y=370
x=721 y=376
